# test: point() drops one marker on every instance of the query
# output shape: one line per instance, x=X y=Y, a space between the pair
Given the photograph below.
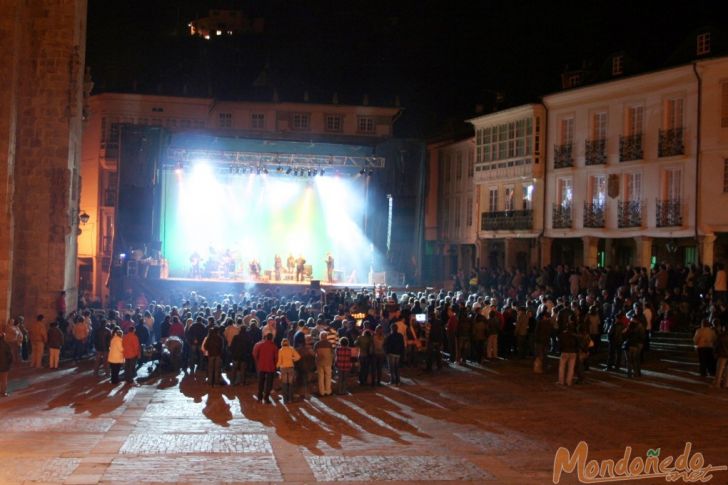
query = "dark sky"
x=440 y=57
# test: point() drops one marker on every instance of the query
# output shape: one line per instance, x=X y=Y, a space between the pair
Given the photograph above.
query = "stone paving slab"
x=193 y=469
x=196 y=425
x=19 y=470
x=158 y=444
x=55 y=424
x=390 y=468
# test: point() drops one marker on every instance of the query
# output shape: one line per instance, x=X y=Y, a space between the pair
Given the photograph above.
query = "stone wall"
x=40 y=138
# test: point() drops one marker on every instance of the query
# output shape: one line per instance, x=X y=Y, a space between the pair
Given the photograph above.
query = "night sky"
x=441 y=58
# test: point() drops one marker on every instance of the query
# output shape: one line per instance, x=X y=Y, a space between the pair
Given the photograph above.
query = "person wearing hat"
x=6 y=361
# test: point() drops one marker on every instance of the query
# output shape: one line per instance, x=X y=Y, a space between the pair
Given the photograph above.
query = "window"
x=225 y=120
x=703 y=44
x=457 y=213
x=567 y=131
x=459 y=170
x=445 y=217
x=565 y=192
x=198 y=123
x=673 y=113
x=725 y=175
x=469 y=212
x=527 y=196
x=504 y=141
x=334 y=123
x=508 y=199
x=365 y=124
x=599 y=125
x=632 y=187
x=257 y=121
x=493 y=199
x=598 y=189
x=573 y=80
x=617 y=65
x=724 y=105
x=470 y=164
x=183 y=123
x=635 y=117
x=672 y=184
x=301 y=121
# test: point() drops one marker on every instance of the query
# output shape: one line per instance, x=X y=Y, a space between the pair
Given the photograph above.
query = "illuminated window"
x=334 y=123
x=493 y=199
x=301 y=121
x=527 y=192
x=508 y=199
x=617 y=65
x=365 y=124
x=257 y=121
x=703 y=44
x=226 y=120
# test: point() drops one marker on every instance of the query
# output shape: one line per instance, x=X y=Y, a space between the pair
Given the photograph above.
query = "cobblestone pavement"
x=491 y=424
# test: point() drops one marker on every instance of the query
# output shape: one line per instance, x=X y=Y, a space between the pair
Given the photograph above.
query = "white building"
x=509 y=160
x=621 y=183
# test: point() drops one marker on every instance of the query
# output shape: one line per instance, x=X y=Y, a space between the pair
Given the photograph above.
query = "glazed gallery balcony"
x=629 y=213
x=630 y=148
x=595 y=152
x=561 y=216
x=593 y=214
x=563 y=155
x=668 y=213
x=506 y=220
x=672 y=142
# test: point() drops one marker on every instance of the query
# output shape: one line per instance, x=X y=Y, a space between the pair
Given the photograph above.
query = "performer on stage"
x=278 y=265
x=195 y=262
x=291 y=263
x=300 y=267
x=254 y=269
x=228 y=263
x=330 y=267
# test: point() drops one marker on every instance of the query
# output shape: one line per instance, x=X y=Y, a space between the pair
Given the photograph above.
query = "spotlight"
x=279 y=169
x=362 y=171
x=288 y=172
x=322 y=172
x=178 y=169
x=257 y=171
x=265 y=171
x=295 y=173
x=370 y=173
x=309 y=172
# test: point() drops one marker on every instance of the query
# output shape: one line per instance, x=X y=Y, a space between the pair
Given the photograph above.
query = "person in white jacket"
x=116 y=355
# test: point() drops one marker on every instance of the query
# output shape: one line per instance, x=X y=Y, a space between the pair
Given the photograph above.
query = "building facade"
x=109 y=112
x=621 y=178
x=451 y=213
x=509 y=186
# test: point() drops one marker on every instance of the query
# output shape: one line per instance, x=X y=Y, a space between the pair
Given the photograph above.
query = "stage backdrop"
x=211 y=211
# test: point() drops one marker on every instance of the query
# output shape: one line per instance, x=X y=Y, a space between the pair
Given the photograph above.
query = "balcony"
x=595 y=152
x=506 y=220
x=630 y=213
x=671 y=143
x=593 y=214
x=563 y=156
x=669 y=213
x=630 y=148
x=109 y=198
x=561 y=216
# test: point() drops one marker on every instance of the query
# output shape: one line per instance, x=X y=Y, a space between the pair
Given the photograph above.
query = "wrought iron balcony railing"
x=630 y=213
x=563 y=156
x=561 y=216
x=506 y=220
x=672 y=142
x=668 y=213
x=595 y=152
x=630 y=148
x=593 y=214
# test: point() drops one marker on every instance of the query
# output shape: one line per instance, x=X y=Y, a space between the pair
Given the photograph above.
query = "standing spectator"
x=542 y=339
x=464 y=336
x=6 y=361
x=265 y=354
x=14 y=338
x=568 y=345
x=213 y=346
x=132 y=352
x=324 y=361
x=521 y=332
x=38 y=334
x=394 y=348
x=148 y=322
x=364 y=343
x=287 y=357
x=493 y=330
x=378 y=355
x=616 y=337
x=240 y=353
x=25 y=339
x=55 y=342
x=704 y=340
x=479 y=335
x=452 y=333
x=343 y=364
x=634 y=339
x=102 y=339
x=721 y=352
x=194 y=336
x=80 y=332
x=116 y=355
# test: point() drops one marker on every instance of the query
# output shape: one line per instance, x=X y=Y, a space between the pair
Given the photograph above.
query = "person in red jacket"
x=265 y=354
x=132 y=352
